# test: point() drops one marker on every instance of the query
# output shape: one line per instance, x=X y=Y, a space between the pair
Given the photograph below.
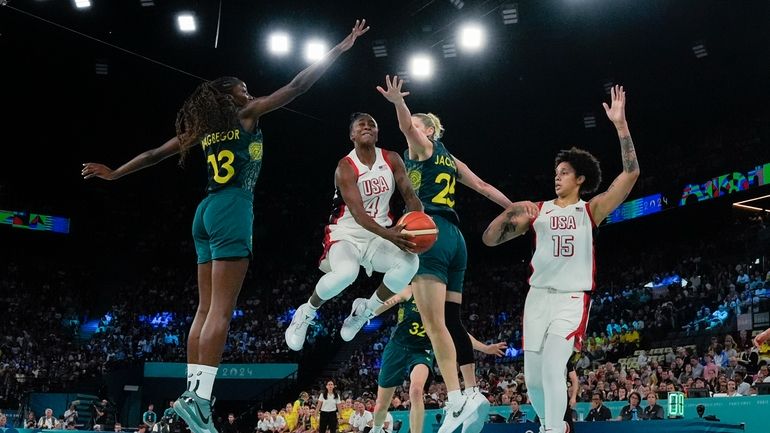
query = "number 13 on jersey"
x=228 y=157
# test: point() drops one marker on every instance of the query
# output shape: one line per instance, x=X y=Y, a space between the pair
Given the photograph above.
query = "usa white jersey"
x=376 y=186
x=564 y=248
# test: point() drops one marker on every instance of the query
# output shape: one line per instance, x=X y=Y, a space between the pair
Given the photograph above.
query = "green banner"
x=226 y=371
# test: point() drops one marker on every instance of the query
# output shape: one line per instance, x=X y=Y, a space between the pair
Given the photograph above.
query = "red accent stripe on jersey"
x=593 y=248
x=534 y=242
x=591 y=215
x=385 y=157
x=327 y=243
x=580 y=332
x=353 y=163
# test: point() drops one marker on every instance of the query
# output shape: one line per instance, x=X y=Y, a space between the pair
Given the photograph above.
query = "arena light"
x=457 y=3
x=279 y=44
x=699 y=49
x=147 y=3
x=315 y=50
x=101 y=68
x=82 y=4
x=608 y=85
x=186 y=22
x=379 y=48
x=421 y=67
x=589 y=120
x=471 y=37
x=510 y=13
x=450 y=50
x=404 y=75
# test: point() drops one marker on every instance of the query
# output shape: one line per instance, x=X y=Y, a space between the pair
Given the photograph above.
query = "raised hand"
x=616 y=111
x=359 y=29
x=92 y=169
x=394 y=93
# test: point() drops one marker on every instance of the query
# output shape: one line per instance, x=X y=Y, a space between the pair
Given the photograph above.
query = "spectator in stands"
x=697 y=368
x=598 y=412
x=396 y=404
x=141 y=428
x=631 y=411
x=4 y=421
x=345 y=413
x=264 y=425
x=741 y=385
x=279 y=422
x=361 y=420
x=516 y=415
x=71 y=415
x=31 y=421
x=149 y=417
x=47 y=421
x=118 y=427
x=711 y=370
x=230 y=426
x=653 y=409
x=732 y=389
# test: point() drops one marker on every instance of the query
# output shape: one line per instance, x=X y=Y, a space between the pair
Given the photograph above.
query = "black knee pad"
x=462 y=341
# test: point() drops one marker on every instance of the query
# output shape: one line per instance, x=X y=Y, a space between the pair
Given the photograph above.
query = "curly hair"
x=585 y=165
x=209 y=108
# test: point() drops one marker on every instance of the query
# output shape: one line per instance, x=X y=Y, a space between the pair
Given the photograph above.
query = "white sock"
x=472 y=390
x=312 y=307
x=374 y=302
x=192 y=369
x=454 y=396
x=206 y=376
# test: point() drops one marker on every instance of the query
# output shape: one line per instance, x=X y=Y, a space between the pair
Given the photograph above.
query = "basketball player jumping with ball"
x=563 y=268
x=438 y=285
x=357 y=234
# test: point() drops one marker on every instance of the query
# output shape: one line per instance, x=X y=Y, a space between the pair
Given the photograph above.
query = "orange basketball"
x=422 y=227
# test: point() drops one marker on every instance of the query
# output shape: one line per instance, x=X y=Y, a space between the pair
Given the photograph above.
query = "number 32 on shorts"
x=417 y=329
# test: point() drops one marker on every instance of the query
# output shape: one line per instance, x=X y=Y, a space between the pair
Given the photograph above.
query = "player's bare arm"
x=606 y=202
x=513 y=222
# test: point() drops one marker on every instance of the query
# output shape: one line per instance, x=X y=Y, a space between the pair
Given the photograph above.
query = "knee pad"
x=462 y=341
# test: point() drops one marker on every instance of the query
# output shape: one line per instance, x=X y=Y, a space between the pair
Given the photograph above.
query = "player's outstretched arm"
x=304 y=80
x=345 y=177
x=418 y=142
x=394 y=300
x=513 y=222
x=143 y=160
x=606 y=202
x=467 y=177
x=497 y=349
x=403 y=183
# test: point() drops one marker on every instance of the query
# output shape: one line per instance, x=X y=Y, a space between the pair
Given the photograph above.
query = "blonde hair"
x=430 y=120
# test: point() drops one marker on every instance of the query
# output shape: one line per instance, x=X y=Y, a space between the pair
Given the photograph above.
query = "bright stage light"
x=279 y=44
x=315 y=50
x=186 y=22
x=421 y=67
x=81 y=4
x=471 y=37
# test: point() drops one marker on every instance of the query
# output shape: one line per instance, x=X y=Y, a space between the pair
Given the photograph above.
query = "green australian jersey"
x=233 y=158
x=434 y=181
x=409 y=331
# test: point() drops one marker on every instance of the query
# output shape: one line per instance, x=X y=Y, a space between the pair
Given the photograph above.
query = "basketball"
x=422 y=227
